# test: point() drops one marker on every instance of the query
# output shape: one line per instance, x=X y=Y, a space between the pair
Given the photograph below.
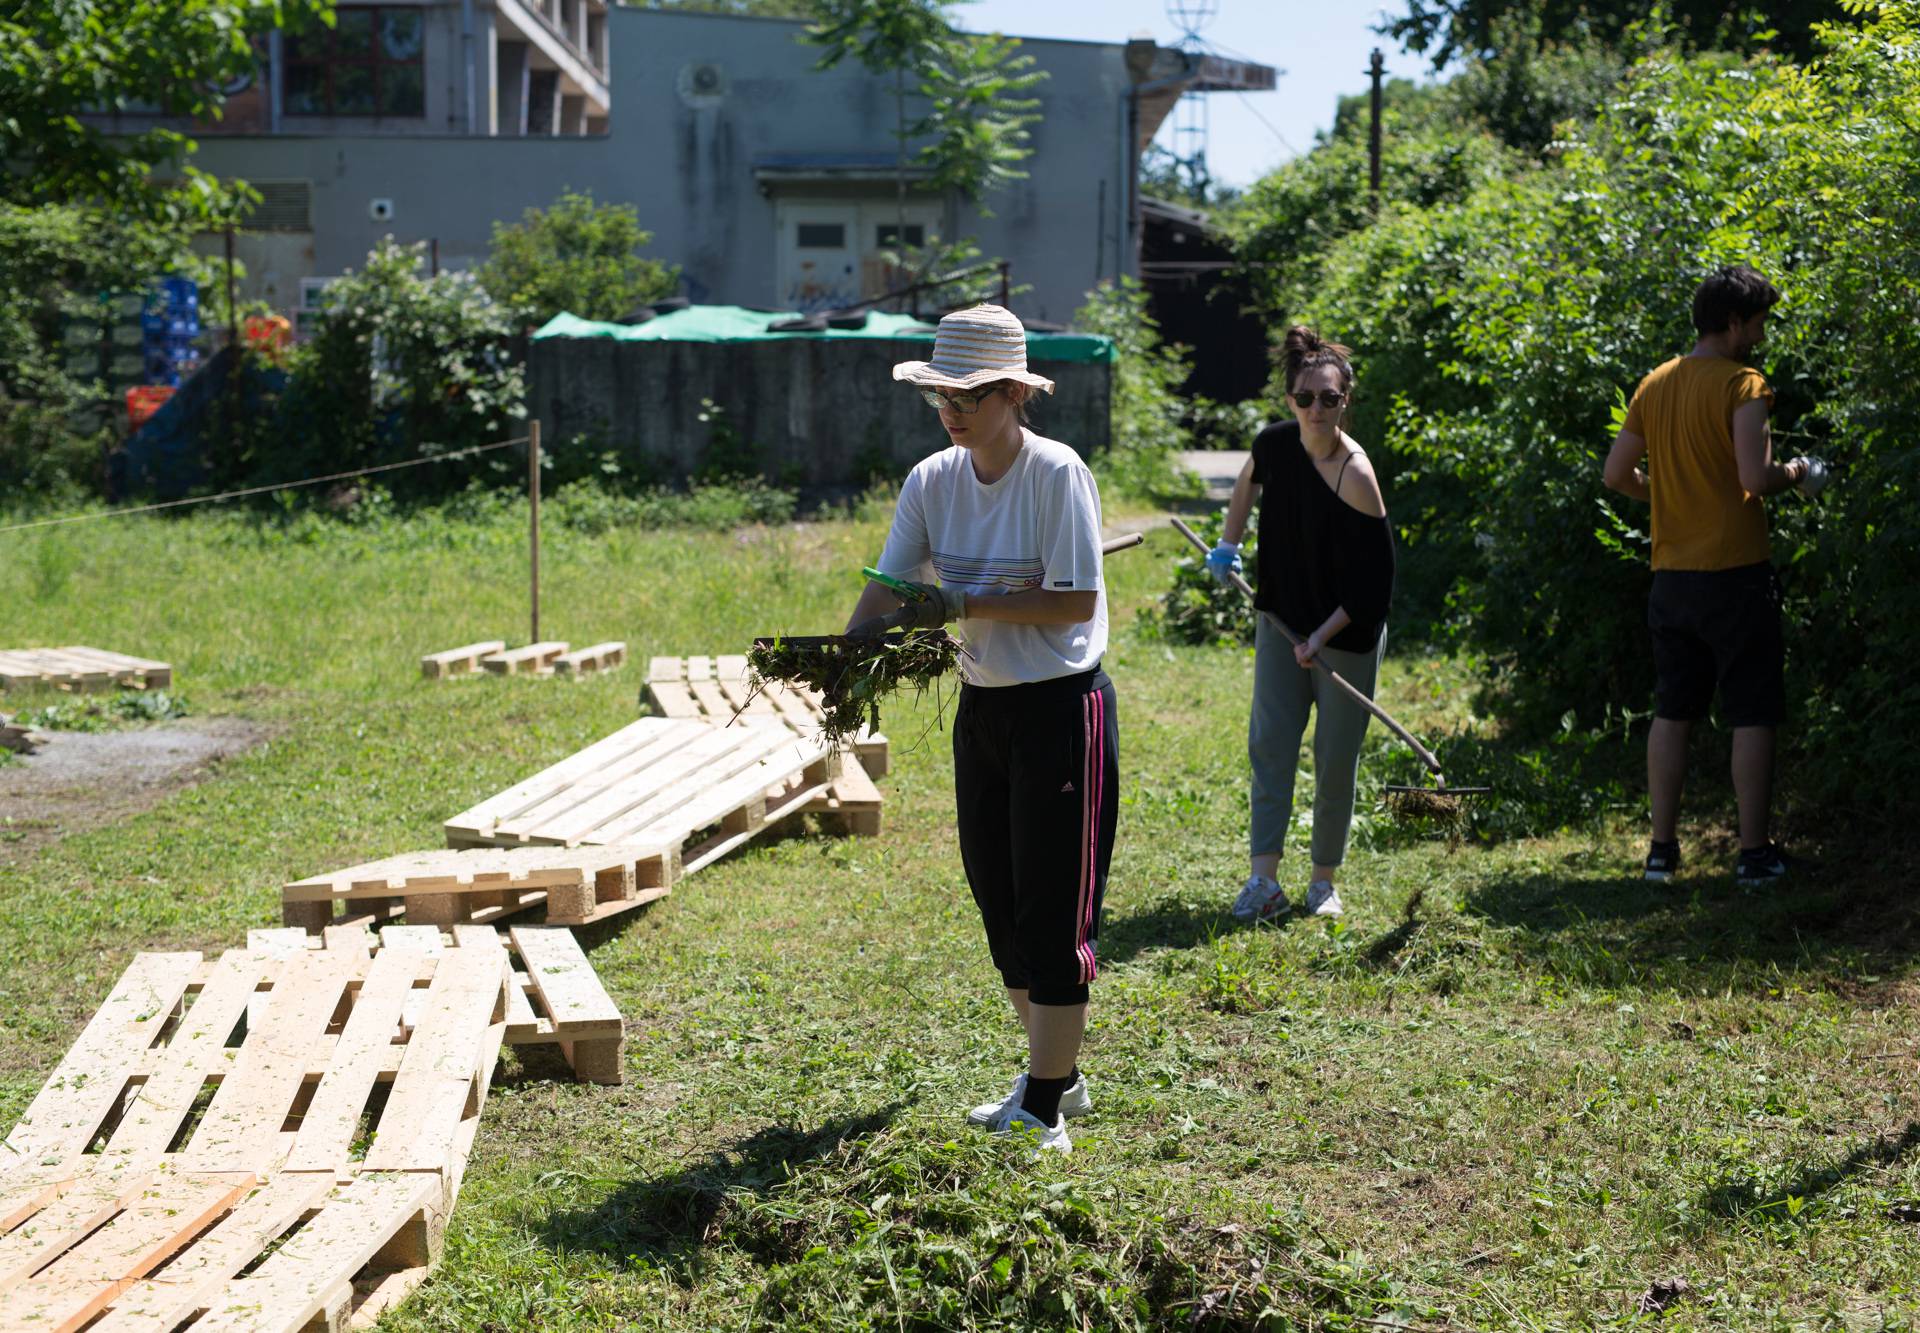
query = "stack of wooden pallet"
x=479 y=885
x=272 y=1140
x=715 y=690
x=77 y=668
x=682 y=791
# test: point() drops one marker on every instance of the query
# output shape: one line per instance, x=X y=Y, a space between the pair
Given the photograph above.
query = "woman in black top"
x=1326 y=571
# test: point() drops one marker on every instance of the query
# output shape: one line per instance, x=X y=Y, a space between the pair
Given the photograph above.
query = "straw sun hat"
x=975 y=347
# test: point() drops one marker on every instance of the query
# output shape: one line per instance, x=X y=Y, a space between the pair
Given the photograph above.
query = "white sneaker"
x=1023 y=1124
x=1261 y=900
x=1073 y=1102
x=1323 y=899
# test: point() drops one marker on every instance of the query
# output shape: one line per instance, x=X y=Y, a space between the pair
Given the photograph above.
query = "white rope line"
x=262 y=490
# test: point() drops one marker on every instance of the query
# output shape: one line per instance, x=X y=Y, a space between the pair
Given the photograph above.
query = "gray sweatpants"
x=1282 y=696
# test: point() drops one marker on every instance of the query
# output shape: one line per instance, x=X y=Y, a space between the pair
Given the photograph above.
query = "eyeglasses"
x=966 y=404
x=1327 y=398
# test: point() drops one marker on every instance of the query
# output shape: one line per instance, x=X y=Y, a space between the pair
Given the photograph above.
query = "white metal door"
x=819 y=259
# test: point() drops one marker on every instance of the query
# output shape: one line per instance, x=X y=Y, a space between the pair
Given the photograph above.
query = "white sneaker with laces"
x=1261 y=900
x=1073 y=1102
x=1323 y=899
x=1025 y=1125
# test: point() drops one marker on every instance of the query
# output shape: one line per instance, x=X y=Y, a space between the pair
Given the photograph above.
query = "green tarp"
x=736 y=324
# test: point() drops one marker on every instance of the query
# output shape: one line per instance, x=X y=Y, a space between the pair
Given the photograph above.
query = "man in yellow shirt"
x=1700 y=423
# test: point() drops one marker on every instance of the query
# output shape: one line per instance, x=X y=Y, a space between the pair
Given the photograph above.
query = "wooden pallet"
x=78 y=668
x=685 y=792
x=715 y=689
x=536 y=659
x=196 y=1160
x=458 y=661
x=578 y=885
x=590 y=661
x=554 y=997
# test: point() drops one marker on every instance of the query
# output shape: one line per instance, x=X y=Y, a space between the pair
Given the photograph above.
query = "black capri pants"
x=1036 y=772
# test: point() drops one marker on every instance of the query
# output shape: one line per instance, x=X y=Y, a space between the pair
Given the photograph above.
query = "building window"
x=369 y=64
x=822 y=236
x=886 y=236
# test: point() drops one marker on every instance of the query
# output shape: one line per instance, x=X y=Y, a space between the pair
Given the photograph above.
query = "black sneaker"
x=1663 y=858
x=1759 y=863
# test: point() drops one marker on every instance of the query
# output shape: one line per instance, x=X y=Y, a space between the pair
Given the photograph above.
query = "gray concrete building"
x=770 y=183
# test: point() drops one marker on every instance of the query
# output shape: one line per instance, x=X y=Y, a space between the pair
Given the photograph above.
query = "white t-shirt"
x=1036 y=527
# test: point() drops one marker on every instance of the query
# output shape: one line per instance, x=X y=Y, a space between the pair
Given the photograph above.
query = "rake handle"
x=1426 y=755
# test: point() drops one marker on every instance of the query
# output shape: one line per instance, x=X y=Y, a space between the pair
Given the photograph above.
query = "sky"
x=1320 y=47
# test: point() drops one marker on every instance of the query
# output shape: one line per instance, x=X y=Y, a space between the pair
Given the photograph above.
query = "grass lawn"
x=1513 y=1088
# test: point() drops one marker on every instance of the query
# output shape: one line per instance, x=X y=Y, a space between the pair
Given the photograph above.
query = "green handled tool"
x=892 y=584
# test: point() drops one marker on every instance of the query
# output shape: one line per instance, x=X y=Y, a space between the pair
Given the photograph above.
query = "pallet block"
x=458 y=661
x=536 y=659
x=716 y=689
x=578 y=885
x=590 y=661
x=80 y=668
x=688 y=789
x=554 y=996
x=222 y=1121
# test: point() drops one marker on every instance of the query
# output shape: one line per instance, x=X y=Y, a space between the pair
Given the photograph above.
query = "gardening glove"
x=1223 y=562
x=1813 y=476
x=936 y=606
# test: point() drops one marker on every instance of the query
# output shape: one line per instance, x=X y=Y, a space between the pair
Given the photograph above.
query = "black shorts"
x=1718 y=629
x=1036 y=775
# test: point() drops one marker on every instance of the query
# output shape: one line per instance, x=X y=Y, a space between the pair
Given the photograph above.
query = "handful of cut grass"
x=852 y=676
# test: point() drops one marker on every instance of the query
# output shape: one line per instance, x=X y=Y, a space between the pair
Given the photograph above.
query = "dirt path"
x=83 y=780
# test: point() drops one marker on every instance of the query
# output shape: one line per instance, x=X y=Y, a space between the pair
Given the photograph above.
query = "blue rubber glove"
x=1223 y=562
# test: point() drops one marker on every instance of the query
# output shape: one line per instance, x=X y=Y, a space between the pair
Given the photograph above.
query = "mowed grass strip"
x=1514 y=1088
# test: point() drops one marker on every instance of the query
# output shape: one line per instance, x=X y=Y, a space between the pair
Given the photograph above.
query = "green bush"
x=578 y=256
x=1198 y=610
x=1148 y=415
x=403 y=365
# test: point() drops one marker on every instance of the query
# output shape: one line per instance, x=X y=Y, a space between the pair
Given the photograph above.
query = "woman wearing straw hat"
x=1009 y=523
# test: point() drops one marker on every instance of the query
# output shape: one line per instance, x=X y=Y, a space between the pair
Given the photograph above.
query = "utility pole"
x=1375 y=68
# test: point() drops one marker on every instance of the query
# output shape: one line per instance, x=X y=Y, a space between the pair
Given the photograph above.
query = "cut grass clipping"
x=852 y=675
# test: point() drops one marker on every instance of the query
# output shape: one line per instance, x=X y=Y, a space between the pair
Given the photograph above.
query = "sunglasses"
x=1327 y=398
x=966 y=404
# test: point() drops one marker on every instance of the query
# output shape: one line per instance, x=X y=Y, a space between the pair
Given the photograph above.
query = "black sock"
x=1042 y=1097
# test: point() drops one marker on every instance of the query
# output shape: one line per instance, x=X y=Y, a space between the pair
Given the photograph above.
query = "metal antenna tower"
x=1188 y=125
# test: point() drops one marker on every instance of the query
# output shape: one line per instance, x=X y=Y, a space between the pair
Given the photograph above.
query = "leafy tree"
x=978 y=114
x=61 y=59
x=577 y=256
x=1148 y=415
x=1449 y=29
x=886 y=37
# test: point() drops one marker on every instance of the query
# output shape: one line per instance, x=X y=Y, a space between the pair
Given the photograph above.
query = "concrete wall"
x=822 y=413
x=687 y=162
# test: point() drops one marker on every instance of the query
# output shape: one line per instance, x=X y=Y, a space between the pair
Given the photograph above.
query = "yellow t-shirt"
x=1702 y=517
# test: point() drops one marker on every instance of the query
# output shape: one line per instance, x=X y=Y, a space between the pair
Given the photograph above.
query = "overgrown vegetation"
x=1148 y=415
x=1505 y=298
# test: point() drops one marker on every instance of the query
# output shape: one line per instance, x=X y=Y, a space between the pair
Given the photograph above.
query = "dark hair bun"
x=1303 y=350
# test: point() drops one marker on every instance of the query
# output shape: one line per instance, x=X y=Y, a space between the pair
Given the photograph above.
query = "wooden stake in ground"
x=533 y=531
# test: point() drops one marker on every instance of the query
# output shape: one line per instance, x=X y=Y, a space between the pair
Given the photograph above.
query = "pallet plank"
x=197 y=1050
x=333 y=1117
x=437 y=1074
x=601 y=754
x=86 y=1278
x=295 y=1282
x=241 y=1129
x=158 y=1304
x=86 y=1086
